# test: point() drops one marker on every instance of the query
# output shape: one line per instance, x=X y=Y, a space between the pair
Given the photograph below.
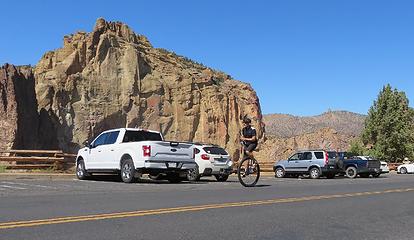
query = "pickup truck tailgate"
x=171 y=151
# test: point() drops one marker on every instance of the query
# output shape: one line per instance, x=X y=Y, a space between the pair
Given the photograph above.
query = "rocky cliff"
x=19 y=119
x=112 y=77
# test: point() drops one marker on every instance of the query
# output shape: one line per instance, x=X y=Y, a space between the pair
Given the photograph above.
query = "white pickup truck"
x=132 y=152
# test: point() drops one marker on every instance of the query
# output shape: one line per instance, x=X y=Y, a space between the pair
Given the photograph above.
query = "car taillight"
x=326 y=159
x=205 y=157
x=146 y=150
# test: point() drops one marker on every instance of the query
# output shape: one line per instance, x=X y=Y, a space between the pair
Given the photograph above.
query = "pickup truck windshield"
x=138 y=136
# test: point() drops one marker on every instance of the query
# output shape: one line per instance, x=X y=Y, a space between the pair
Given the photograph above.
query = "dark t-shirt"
x=249 y=132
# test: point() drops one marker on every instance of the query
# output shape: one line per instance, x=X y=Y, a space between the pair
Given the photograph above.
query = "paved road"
x=290 y=208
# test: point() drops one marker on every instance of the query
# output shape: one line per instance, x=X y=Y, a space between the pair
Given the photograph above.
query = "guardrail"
x=37 y=159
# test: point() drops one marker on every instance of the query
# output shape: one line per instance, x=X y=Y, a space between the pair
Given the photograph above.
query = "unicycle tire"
x=251 y=177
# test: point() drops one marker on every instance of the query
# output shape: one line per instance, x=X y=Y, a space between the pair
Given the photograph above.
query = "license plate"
x=172 y=165
x=221 y=159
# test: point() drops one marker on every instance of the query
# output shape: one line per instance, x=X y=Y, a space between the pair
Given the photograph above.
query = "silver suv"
x=316 y=163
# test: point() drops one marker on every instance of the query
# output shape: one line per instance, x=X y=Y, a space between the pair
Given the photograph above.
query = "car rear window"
x=138 y=136
x=319 y=155
x=215 y=150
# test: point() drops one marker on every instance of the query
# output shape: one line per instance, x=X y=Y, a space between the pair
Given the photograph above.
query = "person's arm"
x=252 y=139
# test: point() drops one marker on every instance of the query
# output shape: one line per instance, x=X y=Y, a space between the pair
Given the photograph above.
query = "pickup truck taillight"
x=146 y=150
x=326 y=158
x=205 y=157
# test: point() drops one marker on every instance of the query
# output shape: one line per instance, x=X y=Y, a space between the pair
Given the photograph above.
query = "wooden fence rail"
x=37 y=159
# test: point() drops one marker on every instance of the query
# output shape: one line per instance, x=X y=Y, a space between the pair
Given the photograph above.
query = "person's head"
x=247 y=121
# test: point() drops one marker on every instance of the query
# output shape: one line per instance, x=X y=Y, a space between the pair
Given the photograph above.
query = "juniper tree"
x=389 y=126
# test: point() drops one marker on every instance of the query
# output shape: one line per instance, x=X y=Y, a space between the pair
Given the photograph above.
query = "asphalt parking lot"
x=289 y=208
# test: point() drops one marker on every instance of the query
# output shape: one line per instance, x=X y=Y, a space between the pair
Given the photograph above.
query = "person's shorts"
x=251 y=147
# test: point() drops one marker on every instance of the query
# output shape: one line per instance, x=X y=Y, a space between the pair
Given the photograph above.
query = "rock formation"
x=113 y=78
x=19 y=120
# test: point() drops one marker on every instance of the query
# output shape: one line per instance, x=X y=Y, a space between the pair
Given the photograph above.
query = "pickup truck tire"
x=403 y=170
x=279 y=172
x=193 y=175
x=221 y=178
x=174 y=178
x=314 y=173
x=128 y=171
x=375 y=175
x=81 y=172
x=351 y=172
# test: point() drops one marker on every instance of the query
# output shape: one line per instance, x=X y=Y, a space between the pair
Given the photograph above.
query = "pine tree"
x=389 y=126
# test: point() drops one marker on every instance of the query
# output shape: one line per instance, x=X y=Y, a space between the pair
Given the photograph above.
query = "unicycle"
x=248 y=171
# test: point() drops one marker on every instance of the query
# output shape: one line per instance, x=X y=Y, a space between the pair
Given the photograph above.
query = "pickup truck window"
x=319 y=155
x=138 y=136
x=100 y=140
x=111 y=139
x=332 y=155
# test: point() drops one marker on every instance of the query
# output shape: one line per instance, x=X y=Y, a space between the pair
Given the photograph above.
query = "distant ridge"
x=286 y=125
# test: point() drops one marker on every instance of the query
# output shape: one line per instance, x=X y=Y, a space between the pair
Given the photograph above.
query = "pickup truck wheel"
x=403 y=170
x=314 y=173
x=193 y=175
x=128 y=171
x=351 y=172
x=221 y=178
x=279 y=172
x=174 y=178
x=81 y=172
x=375 y=175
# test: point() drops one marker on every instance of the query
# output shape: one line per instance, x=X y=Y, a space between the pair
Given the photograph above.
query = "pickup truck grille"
x=374 y=164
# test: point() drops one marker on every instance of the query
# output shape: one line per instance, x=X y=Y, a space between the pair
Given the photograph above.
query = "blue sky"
x=301 y=57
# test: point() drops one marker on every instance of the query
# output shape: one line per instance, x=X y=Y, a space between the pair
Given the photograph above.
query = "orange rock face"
x=112 y=78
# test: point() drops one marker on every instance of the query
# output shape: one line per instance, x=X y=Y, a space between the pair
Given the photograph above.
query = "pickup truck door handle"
x=173 y=150
x=99 y=150
x=296 y=161
x=112 y=150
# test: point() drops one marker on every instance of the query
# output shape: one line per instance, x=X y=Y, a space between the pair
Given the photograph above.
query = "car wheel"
x=351 y=172
x=174 y=178
x=221 y=178
x=375 y=175
x=81 y=172
x=193 y=175
x=128 y=171
x=330 y=175
x=314 y=173
x=279 y=172
x=403 y=170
